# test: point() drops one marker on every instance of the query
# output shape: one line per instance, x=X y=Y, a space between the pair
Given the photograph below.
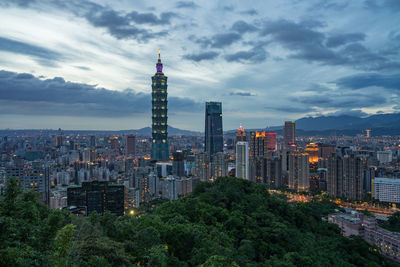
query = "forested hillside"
x=231 y=222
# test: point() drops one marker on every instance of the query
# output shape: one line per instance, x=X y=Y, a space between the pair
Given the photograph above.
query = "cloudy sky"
x=83 y=64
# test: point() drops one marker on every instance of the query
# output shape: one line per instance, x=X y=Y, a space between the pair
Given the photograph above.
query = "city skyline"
x=68 y=65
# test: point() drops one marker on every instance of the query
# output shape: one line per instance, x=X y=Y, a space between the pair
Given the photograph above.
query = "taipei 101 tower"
x=159 y=146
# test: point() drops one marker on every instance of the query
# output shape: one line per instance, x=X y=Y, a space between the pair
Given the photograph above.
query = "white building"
x=384 y=156
x=169 y=188
x=242 y=160
x=387 y=190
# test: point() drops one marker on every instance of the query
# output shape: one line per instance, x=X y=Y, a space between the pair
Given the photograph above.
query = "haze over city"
x=87 y=65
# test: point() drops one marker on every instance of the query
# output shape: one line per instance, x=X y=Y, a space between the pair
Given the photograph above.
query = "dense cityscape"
x=268 y=134
x=91 y=172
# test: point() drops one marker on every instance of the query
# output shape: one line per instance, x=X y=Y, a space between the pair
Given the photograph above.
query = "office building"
x=213 y=128
x=242 y=160
x=97 y=196
x=130 y=144
x=299 y=172
x=178 y=165
x=159 y=146
x=387 y=190
x=289 y=134
x=92 y=141
x=262 y=143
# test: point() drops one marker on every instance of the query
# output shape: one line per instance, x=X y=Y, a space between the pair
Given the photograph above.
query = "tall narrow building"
x=289 y=134
x=159 y=146
x=214 y=141
x=242 y=160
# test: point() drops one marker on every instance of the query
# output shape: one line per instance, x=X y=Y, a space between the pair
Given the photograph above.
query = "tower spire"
x=159 y=65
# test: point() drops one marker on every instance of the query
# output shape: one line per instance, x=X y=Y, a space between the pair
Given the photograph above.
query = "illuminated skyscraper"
x=312 y=150
x=261 y=143
x=289 y=134
x=240 y=135
x=159 y=146
x=214 y=141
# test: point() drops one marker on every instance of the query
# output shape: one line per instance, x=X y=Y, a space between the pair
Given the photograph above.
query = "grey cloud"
x=309 y=44
x=24 y=93
x=150 y=18
x=341 y=100
x=220 y=40
x=201 y=56
x=251 y=12
x=243 y=27
x=186 y=4
x=327 y=4
x=349 y=112
x=83 y=67
x=341 y=39
x=120 y=25
x=370 y=79
x=291 y=109
x=241 y=93
x=224 y=39
x=21 y=3
x=392 y=5
x=41 y=55
x=254 y=55
x=228 y=8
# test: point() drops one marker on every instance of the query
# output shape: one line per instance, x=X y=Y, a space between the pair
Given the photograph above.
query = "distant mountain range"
x=146 y=131
x=381 y=124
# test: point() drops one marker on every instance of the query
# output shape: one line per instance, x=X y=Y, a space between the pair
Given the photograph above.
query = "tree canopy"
x=231 y=222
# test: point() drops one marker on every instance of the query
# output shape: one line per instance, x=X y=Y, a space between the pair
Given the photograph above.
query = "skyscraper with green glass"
x=159 y=146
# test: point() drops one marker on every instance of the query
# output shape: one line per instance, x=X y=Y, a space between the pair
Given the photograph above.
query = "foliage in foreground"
x=393 y=223
x=231 y=222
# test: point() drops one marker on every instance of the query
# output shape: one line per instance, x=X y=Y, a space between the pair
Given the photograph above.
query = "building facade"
x=387 y=190
x=289 y=134
x=299 y=171
x=242 y=160
x=159 y=146
x=131 y=144
x=214 y=141
x=97 y=196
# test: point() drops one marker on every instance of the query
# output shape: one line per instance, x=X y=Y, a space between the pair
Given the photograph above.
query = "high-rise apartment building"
x=242 y=160
x=289 y=134
x=32 y=176
x=299 y=172
x=130 y=144
x=214 y=141
x=159 y=146
x=219 y=165
x=345 y=177
x=261 y=143
x=312 y=151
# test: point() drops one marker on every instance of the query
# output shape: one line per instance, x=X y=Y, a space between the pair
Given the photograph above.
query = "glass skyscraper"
x=213 y=128
x=159 y=146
